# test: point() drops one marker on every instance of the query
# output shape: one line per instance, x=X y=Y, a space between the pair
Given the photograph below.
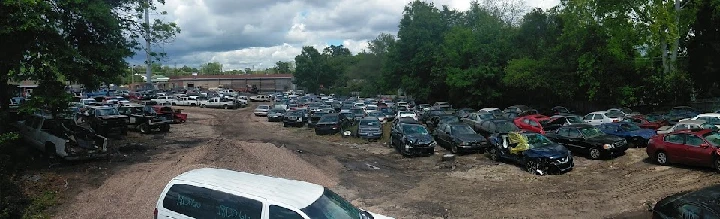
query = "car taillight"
x=155 y=213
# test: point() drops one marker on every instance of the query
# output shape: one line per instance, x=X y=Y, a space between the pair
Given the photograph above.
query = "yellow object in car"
x=520 y=142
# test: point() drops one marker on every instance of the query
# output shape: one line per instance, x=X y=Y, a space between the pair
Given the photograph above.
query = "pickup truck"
x=162 y=100
x=62 y=138
x=186 y=101
x=260 y=98
x=217 y=102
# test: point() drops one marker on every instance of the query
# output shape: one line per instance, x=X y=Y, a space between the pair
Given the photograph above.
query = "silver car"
x=262 y=110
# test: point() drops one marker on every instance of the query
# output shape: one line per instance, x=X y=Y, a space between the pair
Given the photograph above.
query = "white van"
x=219 y=193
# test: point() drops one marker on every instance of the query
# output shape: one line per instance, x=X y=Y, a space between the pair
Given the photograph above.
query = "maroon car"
x=692 y=147
x=648 y=122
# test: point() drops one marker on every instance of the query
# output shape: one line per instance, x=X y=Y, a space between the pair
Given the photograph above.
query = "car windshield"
x=106 y=112
x=629 y=127
x=614 y=114
x=462 y=130
x=574 y=119
x=713 y=138
x=375 y=114
x=590 y=132
x=562 y=110
x=277 y=111
x=654 y=118
x=369 y=122
x=329 y=118
x=536 y=141
x=331 y=206
x=414 y=129
x=407 y=114
x=357 y=111
x=263 y=107
x=486 y=116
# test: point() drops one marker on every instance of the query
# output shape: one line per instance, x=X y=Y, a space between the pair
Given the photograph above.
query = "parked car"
x=426 y=117
x=442 y=105
x=589 y=140
x=711 y=118
x=219 y=102
x=262 y=110
x=105 y=120
x=517 y=109
x=219 y=193
x=557 y=110
x=332 y=124
x=475 y=119
x=315 y=117
x=692 y=147
x=561 y=120
x=444 y=119
x=276 y=115
x=685 y=125
x=680 y=112
x=648 y=121
x=531 y=123
x=701 y=203
x=144 y=118
x=600 y=117
x=369 y=128
x=459 y=138
x=635 y=136
x=61 y=138
x=535 y=152
x=358 y=113
x=293 y=118
x=412 y=139
x=494 y=111
x=464 y=112
x=493 y=127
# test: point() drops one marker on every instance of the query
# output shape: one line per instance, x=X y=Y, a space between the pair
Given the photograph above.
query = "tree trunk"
x=663 y=50
x=676 y=41
x=4 y=97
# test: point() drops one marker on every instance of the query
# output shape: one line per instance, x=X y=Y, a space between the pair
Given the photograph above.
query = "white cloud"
x=247 y=33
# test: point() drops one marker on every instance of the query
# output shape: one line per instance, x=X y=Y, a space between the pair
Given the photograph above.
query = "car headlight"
x=464 y=143
x=608 y=146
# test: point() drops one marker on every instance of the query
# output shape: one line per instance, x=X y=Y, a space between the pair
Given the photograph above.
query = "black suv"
x=105 y=120
x=144 y=118
x=332 y=124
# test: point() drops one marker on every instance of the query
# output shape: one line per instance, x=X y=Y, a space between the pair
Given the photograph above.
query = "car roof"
x=709 y=115
x=598 y=112
x=695 y=121
x=708 y=196
x=298 y=194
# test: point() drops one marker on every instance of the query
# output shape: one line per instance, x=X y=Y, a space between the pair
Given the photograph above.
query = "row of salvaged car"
x=83 y=132
x=542 y=144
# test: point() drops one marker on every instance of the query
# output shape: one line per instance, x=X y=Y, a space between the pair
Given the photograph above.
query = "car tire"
x=285 y=124
x=716 y=163
x=144 y=128
x=226 y=107
x=634 y=142
x=454 y=149
x=595 y=153
x=661 y=158
x=202 y=106
x=493 y=154
x=532 y=166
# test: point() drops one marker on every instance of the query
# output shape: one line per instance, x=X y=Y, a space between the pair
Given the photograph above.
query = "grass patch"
x=40 y=204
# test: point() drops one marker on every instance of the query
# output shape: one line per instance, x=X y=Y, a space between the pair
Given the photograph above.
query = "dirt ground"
x=371 y=175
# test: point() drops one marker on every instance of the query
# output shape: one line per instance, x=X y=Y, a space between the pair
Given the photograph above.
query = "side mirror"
x=704 y=145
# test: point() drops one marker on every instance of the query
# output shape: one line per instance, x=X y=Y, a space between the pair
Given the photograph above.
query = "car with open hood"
x=105 y=120
x=589 y=140
x=459 y=138
x=412 y=139
x=650 y=121
x=635 y=136
x=536 y=153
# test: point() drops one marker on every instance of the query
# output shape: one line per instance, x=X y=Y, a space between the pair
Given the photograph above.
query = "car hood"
x=604 y=139
x=470 y=137
x=420 y=138
x=327 y=123
x=550 y=151
x=645 y=133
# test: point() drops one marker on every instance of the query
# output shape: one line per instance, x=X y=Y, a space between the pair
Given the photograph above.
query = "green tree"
x=211 y=68
x=309 y=65
x=283 y=67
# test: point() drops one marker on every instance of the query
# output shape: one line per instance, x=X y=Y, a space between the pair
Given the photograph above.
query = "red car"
x=648 y=122
x=691 y=147
x=531 y=123
x=177 y=116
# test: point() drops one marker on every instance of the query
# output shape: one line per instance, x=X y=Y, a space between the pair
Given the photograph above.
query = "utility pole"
x=148 y=70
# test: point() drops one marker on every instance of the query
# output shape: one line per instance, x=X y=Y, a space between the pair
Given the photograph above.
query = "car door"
x=674 y=147
x=395 y=134
x=589 y=118
x=696 y=151
x=443 y=135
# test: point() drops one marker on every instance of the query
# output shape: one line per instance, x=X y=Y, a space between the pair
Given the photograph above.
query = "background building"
x=264 y=83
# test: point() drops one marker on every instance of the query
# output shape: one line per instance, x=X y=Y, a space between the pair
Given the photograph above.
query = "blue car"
x=635 y=136
x=539 y=156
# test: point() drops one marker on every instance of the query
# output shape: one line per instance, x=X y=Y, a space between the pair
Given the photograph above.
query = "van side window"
x=199 y=202
x=277 y=212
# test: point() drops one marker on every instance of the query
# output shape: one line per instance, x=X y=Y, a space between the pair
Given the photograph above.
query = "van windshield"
x=331 y=206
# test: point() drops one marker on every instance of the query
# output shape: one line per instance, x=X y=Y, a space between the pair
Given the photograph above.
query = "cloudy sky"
x=257 y=33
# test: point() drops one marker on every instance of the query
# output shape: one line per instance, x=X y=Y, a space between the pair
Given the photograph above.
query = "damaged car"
x=412 y=139
x=105 y=120
x=538 y=154
x=589 y=140
x=144 y=119
x=62 y=138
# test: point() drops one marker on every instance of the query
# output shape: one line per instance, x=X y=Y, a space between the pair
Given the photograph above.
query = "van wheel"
x=144 y=128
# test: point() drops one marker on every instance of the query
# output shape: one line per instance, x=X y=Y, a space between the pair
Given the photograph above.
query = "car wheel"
x=454 y=149
x=284 y=124
x=661 y=158
x=144 y=128
x=717 y=164
x=594 y=153
x=225 y=107
x=493 y=153
x=202 y=106
x=533 y=166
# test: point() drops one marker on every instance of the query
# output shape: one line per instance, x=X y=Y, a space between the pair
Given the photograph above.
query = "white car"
x=600 y=117
x=262 y=110
x=371 y=108
x=684 y=125
x=360 y=105
x=406 y=114
x=219 y=193
x=711 y=118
